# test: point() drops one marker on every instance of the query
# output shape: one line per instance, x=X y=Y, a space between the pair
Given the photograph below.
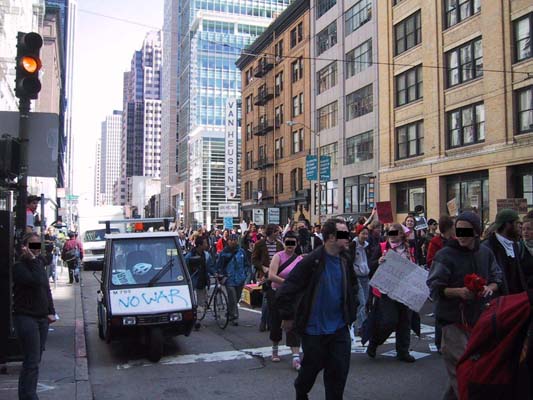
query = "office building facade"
x=110 y=156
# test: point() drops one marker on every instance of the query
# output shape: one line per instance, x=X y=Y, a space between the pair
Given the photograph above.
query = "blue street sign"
x=311 y=168
x=325 y=168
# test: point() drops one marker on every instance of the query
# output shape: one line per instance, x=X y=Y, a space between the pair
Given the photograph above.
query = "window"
x=359 y=58
x=249 y=76
x=322 y=6
x=278 y=50
x=279 y=84
x=409 y=195
x=279 y=116
x=330 y=150
x=524 y=183
x=297 y=68
x=329 y=202
x=297 y=141
x=248 y=131
x=410 y=140
x=458 y=10
x=357 y=16
x=297 y=34
x=262 y=152
x=295 y=106
x=524 y=109
x=297 y=181
x=300 y=29
x=408 y=33
x=249 y=104
x=523 y=38
x=301 y=102
x=249 y=159
x=360 y=148
x=466 y=125
x=279 y=148
x=357 y=194
x=248 y=190
x=327 y=77
x=465 y=63
x=279 y=183
x=359 y=102
x=471 y=193
x=261 y=184
x=327 y=116
x=326 y=38
x=409 y=86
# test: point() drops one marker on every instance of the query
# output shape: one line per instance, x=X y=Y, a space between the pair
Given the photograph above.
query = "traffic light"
x=27 y=83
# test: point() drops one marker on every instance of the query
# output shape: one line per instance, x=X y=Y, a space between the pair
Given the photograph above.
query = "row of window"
x=358 y=15
x=296 y=183
x=465 y=62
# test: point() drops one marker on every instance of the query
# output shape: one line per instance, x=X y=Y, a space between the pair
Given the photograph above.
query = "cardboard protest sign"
x=384 y=209
x=519 y=205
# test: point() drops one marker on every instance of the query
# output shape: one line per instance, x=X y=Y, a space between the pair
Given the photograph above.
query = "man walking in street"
x=233 y=265
x=458 y=307
x=504 y=245
x=327 y=285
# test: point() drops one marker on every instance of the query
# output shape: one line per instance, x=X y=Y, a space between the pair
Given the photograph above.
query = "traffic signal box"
x=27 y=82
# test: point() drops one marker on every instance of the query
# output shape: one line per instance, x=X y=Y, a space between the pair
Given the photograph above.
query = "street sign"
x=273 y=216
x=311 y=168
x=228 y=210
x=325 y=168
x=72 y=197
x=258 y=216
x=228 y=222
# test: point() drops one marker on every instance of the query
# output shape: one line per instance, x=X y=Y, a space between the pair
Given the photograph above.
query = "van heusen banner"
x=231 y=148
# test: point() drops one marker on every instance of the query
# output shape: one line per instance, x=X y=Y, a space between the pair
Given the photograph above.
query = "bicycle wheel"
x=220 y=308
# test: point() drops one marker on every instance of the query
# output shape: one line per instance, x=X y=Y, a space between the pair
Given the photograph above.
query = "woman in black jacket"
x=33 y=311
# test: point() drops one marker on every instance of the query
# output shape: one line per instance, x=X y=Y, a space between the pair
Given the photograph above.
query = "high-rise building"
x=456 y=108
x=210 y=35
x=98 y=173
x=344 y=105
x=110 y=156
x=141 y=131
x=276 y=133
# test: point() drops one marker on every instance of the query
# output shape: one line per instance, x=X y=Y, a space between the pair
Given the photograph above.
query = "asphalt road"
x=234 y=363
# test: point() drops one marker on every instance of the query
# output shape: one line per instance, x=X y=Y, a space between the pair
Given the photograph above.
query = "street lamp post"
x=317 y=147
x=169 y=199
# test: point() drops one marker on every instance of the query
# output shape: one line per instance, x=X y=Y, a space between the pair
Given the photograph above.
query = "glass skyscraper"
x=211 y=35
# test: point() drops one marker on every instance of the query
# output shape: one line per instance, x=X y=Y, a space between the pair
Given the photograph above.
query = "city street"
x=235 y=363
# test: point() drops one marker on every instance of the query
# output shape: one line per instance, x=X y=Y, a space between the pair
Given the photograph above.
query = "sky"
x=104 y=46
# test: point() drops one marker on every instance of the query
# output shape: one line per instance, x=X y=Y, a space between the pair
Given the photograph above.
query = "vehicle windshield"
x=138 y=261
x=97 y=235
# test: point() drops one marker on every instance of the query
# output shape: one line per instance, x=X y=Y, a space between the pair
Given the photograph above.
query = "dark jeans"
x=234 y=296
x=330 y=353
x=292 y=339
x=32 y=333
x=395 y=317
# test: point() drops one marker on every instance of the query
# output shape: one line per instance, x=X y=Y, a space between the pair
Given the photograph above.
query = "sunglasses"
x=34 y=246
x=343 y=235
x=464 y=232
x=289 y=243
x=393 y=233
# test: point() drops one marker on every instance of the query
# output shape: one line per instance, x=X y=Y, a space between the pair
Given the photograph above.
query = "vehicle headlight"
x=129 y=321
x=88 y=252
x=175 y=317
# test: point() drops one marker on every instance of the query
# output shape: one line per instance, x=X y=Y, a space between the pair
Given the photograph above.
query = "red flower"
x=475 y=283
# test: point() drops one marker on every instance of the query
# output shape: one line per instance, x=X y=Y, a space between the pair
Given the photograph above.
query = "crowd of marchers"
x=316 y=288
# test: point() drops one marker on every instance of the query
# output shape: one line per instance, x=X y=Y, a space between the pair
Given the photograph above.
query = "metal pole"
x=24 y=111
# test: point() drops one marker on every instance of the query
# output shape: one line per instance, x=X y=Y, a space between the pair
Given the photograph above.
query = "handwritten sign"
x=402 y=280
x=384 y=209
x=452 y=207
x=150 y=300
x=519 y=205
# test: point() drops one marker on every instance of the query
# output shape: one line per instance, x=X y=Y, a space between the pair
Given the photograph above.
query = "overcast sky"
x=104 y=46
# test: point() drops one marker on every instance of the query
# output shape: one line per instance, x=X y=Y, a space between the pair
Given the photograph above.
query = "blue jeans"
x=32 y=333
x=364 y=290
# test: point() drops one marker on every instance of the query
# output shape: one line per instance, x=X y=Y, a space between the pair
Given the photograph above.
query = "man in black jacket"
x=504 y=245
x=326 y=285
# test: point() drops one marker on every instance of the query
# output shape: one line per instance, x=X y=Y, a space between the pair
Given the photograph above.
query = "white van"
x=94 y=248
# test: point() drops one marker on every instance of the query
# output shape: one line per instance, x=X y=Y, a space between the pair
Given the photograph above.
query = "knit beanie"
x=472 y=218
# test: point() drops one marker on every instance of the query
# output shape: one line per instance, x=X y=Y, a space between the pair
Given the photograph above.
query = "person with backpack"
x=463 y=276
x=281 y=265
x=72 y=254
x=233 y=265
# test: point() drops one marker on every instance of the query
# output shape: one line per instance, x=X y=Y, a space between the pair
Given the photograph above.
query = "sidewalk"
x=63 y=372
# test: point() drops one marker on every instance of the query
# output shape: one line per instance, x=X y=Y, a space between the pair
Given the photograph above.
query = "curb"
x=83 y=385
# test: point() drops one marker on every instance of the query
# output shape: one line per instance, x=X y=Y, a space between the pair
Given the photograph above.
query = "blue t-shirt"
x=327 y=313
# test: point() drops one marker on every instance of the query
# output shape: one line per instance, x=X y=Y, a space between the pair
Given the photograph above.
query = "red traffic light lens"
x=30 y=64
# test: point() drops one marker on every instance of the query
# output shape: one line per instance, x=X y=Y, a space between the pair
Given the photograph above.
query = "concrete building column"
x=499 y=187
x=435 y=197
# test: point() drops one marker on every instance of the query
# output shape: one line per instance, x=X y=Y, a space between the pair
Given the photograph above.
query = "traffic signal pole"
x=24 y=113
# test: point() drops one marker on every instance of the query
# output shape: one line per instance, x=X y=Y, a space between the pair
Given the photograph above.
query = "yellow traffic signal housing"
x=27 y=82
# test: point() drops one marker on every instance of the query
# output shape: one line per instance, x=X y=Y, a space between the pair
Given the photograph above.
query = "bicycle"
x=217 y=303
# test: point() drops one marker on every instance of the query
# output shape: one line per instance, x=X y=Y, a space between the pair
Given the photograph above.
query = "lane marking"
x=416 y=354
x=249 y=310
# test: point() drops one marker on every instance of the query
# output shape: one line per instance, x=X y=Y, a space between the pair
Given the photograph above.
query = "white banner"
x=150 y=300
x=258 y=216
x=231 y=148
x=402 y=280
x=228 y=210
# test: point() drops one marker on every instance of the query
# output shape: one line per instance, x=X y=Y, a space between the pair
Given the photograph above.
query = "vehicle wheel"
x=101 y=333
x=155 y=344
x=221 y=309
